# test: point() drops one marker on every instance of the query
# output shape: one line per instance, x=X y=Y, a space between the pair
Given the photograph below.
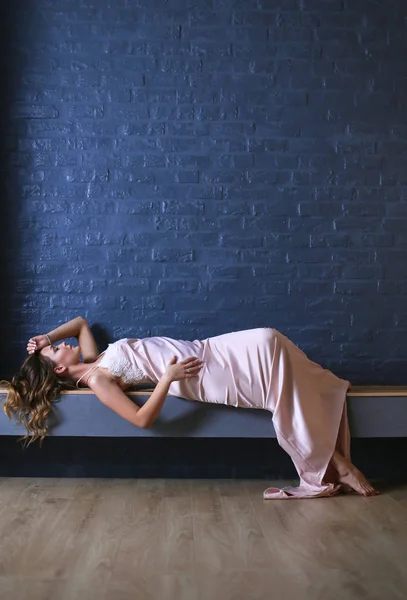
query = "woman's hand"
x=37 y=343
x=187 y=368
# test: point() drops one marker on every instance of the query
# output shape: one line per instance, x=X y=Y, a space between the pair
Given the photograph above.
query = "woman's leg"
x=349 y=475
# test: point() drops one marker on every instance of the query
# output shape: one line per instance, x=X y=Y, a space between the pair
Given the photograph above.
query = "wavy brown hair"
x=31 y=394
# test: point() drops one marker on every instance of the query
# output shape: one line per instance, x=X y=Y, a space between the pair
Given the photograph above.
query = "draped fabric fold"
x=262 y=369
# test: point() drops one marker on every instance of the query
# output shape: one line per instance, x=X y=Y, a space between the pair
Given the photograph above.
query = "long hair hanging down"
x=31 y=394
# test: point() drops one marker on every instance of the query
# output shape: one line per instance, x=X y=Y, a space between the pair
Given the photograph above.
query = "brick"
x=240 y=241
x=226 y=272
x=234 y=303
x=183 y=302
x=261 y=257
x=362 y=272
x=172 y=254
x=177 y=286
x=352 y=288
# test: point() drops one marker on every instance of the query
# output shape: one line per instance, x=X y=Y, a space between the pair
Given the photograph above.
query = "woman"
x=257 y=368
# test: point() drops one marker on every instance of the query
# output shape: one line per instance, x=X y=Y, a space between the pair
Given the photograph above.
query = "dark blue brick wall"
x=191 y=168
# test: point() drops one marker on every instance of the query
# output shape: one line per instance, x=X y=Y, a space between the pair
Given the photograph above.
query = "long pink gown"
x=262 y=369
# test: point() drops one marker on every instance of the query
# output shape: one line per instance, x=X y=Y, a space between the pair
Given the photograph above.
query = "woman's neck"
x=78 y=371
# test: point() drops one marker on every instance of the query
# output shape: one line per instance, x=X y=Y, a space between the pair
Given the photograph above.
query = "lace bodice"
x=116 y=358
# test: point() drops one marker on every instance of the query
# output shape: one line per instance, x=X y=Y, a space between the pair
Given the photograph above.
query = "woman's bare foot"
x=350 y=476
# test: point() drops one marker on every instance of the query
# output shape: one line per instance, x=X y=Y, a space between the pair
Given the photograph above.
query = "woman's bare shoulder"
x=99 y=377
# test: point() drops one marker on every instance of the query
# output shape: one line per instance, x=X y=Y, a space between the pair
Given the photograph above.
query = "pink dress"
x=259 y=369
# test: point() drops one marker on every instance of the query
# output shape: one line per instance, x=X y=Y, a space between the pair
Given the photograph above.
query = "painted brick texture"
x=189 y=168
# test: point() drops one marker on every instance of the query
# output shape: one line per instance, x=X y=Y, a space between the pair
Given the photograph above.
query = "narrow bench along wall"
x=373 y=411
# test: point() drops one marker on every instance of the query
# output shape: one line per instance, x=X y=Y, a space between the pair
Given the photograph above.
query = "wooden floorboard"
x=114 y=539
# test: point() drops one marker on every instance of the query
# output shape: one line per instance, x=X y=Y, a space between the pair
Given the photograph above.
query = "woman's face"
x=63 y=354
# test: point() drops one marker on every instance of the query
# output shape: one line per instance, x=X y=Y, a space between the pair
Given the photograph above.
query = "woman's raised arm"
x=78 y=328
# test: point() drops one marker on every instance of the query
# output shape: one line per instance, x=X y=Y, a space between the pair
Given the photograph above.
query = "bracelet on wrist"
x=48 y=338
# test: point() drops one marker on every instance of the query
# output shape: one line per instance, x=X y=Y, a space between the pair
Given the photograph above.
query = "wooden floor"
x=116 y=539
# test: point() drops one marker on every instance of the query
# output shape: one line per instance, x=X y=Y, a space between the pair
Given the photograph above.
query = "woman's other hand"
x=187 y=368
x=37 y=343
